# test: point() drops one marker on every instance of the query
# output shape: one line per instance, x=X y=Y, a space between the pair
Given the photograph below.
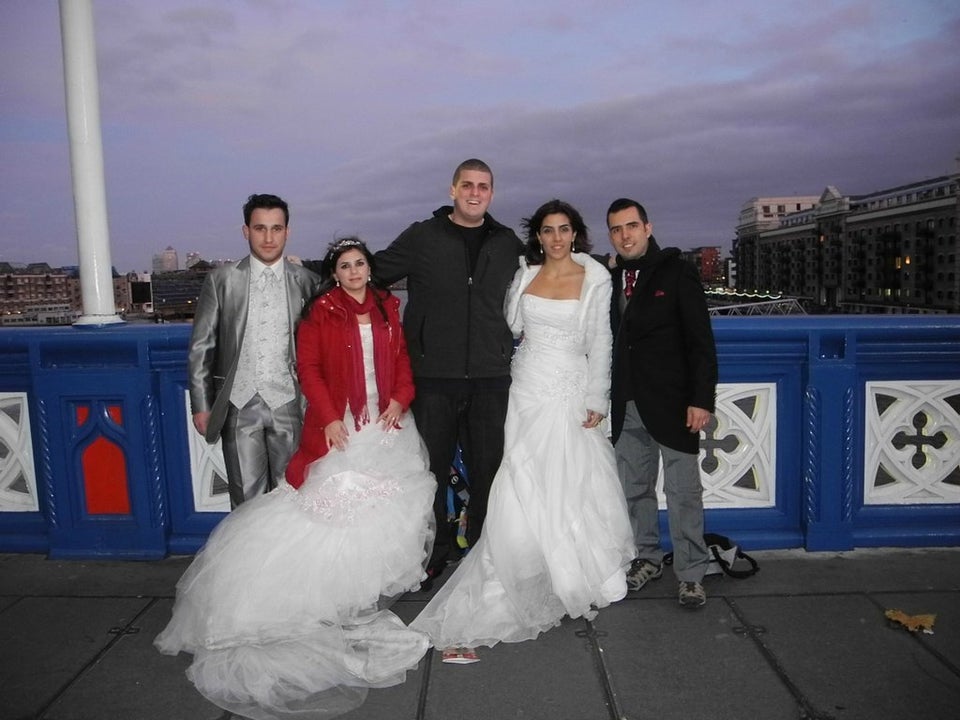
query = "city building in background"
x=757 y=216
x=166 y=261
x=175 y=294
x=900 y=248
x=890 y=251
x=37 y=294
x=193 y=258
x=141 y=295
x=730 y=271
x=24 y=289
x=709 y=264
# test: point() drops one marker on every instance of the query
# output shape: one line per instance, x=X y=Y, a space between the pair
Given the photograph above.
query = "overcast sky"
x=357 y=112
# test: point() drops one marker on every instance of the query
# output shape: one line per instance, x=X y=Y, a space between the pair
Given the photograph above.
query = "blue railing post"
x=828 y=421
x=100 y=430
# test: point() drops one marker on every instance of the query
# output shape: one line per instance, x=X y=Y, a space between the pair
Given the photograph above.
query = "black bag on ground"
x=724 y=554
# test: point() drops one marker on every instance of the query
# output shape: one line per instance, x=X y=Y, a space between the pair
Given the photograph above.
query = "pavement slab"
x=133 y=680
x=47 y=642
x=846 y=661
x=672 y=663
x=554 y=676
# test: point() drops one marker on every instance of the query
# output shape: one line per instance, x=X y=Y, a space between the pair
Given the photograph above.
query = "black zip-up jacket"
x=453 y=321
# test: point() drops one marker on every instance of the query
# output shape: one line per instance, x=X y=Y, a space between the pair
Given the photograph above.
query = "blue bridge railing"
x=830 y=433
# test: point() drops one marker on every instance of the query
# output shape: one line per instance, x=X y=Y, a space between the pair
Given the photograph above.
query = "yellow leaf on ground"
x=912 y=622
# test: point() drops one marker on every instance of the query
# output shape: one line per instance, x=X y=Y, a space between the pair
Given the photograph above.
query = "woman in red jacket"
x=329 y=360
x=292 y=587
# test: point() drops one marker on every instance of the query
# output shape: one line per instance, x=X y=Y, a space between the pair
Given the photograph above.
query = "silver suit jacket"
x=218 y=329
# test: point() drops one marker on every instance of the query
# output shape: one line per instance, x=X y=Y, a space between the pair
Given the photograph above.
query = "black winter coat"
x=664 y=354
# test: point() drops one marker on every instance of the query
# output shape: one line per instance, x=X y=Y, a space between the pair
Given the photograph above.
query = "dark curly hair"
x=531 y=226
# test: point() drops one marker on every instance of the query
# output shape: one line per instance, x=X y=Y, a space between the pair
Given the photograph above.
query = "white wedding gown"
x=284 y=607
x=557 y=537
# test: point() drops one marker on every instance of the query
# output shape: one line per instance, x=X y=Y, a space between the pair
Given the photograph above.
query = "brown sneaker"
x=692 y=595
x=642 y=571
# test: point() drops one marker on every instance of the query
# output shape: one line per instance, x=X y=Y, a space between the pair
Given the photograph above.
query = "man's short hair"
x=623 y=204
x=265 y=202
x=472 y=164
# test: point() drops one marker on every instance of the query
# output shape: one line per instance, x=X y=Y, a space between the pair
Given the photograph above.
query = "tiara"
x=346 y=242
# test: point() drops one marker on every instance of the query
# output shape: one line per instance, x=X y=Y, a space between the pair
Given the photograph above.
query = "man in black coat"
x=458 y=265
x=663 y=395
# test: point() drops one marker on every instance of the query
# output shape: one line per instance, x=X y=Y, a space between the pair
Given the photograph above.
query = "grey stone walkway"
x=805 y=638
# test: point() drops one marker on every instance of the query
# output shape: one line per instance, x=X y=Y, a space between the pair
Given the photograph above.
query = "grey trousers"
x=257 y=445
x=638 y=458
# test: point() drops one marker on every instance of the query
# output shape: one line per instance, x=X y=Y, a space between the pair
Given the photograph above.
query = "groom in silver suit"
x=241 y=363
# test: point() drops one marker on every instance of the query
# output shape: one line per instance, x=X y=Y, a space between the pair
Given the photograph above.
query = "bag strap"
x=728 y=568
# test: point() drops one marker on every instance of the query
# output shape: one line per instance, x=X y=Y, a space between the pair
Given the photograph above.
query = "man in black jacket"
x=663 y=394
x=458 y=265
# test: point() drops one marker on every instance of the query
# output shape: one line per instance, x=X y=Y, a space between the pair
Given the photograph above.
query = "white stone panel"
x=18 y=476
x=912 y=442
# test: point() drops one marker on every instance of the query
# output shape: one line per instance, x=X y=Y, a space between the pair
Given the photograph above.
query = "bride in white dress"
x=284 y=608
x=557 y=537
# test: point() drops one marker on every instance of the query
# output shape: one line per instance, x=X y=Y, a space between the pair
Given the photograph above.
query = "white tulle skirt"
x=285 y=607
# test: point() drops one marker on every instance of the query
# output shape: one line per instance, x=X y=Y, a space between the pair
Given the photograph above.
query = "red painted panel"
x=83 y=412
x=105 y=479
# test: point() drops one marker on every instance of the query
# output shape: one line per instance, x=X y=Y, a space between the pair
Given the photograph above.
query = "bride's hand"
x=390 y=418
x=593 y=419
x=336 y=434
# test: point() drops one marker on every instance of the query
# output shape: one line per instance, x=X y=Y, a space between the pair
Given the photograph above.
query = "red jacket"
x=323 y=367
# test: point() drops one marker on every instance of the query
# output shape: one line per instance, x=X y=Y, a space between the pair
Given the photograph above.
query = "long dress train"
x=284 y=609
x=557 y=537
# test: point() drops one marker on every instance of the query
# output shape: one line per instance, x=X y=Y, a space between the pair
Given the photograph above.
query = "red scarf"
x=382 y=355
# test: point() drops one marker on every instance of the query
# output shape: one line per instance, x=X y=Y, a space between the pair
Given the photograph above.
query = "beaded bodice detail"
x=552 y=346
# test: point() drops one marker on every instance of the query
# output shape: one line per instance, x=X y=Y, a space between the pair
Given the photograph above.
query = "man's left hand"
x=697 y=419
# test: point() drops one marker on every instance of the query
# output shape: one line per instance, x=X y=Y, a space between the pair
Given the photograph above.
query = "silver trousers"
x=257 y=445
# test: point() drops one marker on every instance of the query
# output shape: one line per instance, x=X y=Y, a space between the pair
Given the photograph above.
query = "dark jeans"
x=474 y=419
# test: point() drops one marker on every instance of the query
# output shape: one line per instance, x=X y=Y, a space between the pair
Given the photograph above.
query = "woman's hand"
x=336 y=434
x=390 y=418
x=593 y=419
